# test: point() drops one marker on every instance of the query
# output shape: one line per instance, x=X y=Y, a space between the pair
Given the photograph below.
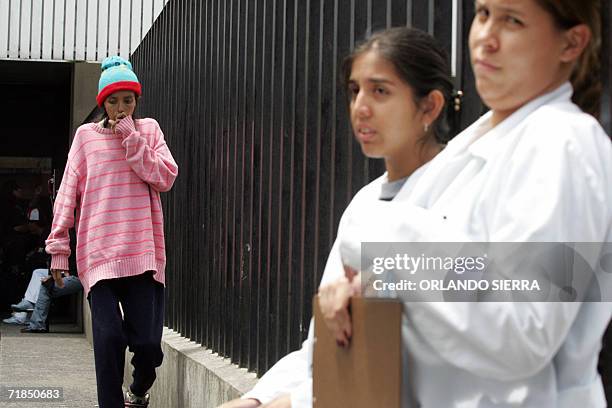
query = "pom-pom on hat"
x=117 y=75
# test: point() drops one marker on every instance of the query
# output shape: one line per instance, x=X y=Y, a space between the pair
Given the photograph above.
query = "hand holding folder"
x=367 y=373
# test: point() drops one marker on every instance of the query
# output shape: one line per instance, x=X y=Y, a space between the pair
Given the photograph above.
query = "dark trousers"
x=142 y=301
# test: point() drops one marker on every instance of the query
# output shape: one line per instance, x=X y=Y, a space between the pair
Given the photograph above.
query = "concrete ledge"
x=192 y=376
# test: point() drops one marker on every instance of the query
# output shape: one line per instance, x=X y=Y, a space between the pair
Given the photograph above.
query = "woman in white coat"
x=398 y=84
x=534 y=168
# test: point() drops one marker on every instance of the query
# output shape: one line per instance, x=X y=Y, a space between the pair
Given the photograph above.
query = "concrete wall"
x=85 y=78
x=192 y=376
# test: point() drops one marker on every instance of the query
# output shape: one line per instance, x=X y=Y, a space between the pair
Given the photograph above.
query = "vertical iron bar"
x=472 y=106
x=271 y=202
x=251 y=62
x=217 y=169
x=293 y=322
x=305 y=281
x=378 y=16
x=369 y=17
x=262 y=308
x=420 y=14
x=431 y=16
x=398 y=13
x=409 y=21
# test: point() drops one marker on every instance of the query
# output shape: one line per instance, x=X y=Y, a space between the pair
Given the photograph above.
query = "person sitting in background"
x=48 y=291
x=37 y=297
x=29 y=298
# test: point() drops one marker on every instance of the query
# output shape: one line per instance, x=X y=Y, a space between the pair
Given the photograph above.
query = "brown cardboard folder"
x=369 y=372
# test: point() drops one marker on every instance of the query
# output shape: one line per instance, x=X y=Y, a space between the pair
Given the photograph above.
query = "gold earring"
x=457 y=99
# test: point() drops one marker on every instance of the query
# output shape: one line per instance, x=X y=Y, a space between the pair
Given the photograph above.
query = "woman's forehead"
x=509 y=6
x=372 y=64
x=121 y=94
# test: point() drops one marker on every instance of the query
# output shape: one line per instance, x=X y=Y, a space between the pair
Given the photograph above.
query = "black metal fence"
x=246 y=92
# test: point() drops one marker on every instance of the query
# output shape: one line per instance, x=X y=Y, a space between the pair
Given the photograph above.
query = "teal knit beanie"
x=117 y=75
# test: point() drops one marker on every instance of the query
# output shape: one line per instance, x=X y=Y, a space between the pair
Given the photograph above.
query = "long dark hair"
x=418 y=60
x=585 y=78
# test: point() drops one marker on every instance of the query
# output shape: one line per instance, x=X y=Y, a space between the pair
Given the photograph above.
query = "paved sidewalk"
x=48 y=360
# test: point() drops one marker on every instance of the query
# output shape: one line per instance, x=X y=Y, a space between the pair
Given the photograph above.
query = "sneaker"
x=31 y=330
x=17 y=318
x=134 y=401
x=23 y=306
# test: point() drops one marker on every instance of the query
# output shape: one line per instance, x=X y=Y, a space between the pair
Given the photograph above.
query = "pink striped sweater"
x=113 y=181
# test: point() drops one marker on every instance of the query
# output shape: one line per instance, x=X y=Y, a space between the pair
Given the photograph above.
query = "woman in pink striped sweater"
x=110 y=193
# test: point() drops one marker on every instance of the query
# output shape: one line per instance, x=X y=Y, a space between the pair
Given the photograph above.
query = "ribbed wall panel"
x=74 y=30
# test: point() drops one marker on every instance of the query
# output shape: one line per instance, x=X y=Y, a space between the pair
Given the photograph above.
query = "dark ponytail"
x=418 y=60
x=586 y=76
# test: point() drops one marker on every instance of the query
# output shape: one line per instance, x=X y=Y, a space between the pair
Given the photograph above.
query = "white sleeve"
x=301 y=396
x=556 y=194
x=286 y=375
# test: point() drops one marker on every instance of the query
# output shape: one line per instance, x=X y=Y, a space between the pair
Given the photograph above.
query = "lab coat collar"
x=484 y=143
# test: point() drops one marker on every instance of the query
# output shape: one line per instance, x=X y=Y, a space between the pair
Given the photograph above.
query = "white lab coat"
x=543 y=174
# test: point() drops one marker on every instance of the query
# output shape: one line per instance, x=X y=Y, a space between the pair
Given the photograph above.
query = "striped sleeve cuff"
x=60 y=262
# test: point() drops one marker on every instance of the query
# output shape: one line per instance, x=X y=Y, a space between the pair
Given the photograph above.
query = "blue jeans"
x=72 y=284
